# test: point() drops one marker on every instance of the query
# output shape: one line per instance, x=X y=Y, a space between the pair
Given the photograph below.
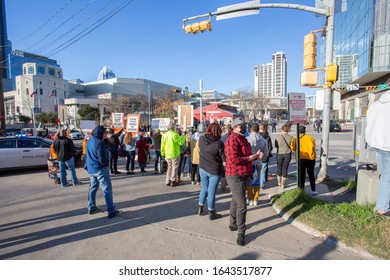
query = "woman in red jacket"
x=143 y=150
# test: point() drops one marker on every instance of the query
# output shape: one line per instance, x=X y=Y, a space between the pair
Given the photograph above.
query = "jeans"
x=383 y=198
x=180 y=164
x=157 y=160
x=186 y=157
x=238 y=206
x=283 y=161
x=101 y=178
x=263 y=174
x=130 y=156
x=209 y=188
x=70 y=164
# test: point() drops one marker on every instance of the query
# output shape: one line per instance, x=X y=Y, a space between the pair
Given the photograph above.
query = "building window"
x=41 y=70
x=30 y=70
x=17 y=109
x=27 y=91
x=41 y=91
x=52 y=72
x=54 y=83
x=40 y=82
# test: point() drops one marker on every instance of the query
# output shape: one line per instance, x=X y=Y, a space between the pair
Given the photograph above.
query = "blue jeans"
x=70 y=164
x=186 y=157
x=101 y=178
x=130 y=156
x=157 y=160
x=383 y=198
x=263 y=175
x=209 y=187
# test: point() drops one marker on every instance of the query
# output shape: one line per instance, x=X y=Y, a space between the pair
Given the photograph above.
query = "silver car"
x=23 y=152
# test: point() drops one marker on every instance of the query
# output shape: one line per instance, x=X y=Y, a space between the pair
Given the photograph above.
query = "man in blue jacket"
x=98 y=170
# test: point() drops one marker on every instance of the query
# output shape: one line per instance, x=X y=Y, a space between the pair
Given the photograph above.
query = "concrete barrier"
x=367 y=186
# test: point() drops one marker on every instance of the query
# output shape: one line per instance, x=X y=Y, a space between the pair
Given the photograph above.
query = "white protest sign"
x=297 y=107
x=117 y=120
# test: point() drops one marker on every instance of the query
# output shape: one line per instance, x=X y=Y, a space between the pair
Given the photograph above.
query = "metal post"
x=2 y=61
x=327 y=97
x=201 y=127
x=149 y=104
x=298 y=159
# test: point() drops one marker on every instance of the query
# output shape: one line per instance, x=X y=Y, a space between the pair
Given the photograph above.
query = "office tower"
x=105 y=74
x=271 y=78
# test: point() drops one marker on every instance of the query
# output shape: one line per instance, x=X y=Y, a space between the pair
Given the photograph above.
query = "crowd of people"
x=235 y=156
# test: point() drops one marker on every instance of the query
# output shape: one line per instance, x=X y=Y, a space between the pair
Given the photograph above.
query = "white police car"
x=23 y=152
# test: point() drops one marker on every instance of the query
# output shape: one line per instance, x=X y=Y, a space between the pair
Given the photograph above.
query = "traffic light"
x=310 y=51
x=175 y=90
x=198 y=26
x=309 y=78
x=332 y=73
x=194 y=94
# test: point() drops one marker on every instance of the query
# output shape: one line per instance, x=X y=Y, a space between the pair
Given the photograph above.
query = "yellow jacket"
x=307 y=146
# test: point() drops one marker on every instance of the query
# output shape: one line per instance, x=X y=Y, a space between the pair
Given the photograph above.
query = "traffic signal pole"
x=322 y=174
x=248 y=8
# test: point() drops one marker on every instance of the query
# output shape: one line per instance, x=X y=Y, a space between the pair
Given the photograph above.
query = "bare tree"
x=126 y=104
x=167 y=106
x=252 y=107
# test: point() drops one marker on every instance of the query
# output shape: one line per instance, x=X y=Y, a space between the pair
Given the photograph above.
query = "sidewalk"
x=43 y=221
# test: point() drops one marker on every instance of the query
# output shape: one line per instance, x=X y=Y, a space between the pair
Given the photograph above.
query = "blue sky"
x=146 y=40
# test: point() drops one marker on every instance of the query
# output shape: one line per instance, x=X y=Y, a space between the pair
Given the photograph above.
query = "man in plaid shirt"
x=239 y=168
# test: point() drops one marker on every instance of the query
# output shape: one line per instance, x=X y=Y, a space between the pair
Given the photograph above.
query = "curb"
x=329 y=240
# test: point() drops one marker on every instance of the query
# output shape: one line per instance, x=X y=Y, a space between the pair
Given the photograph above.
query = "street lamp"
x=253 y=7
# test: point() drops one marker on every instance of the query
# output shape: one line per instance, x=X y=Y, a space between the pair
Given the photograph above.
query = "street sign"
x=383 y=86
x=352 y=87
x=37 y=110
x=297 y=107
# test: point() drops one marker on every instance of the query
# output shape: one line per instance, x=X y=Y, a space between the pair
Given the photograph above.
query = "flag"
x=34 y=92
x=52 y=93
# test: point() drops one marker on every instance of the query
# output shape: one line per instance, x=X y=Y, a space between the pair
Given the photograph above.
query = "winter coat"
x=97 y=154
x=142 y=150
x=211 y=154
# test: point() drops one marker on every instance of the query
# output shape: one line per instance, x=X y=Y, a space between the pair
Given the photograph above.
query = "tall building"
x=271 y=78
x=279 y=75
x=5 y=44
x=362 y=47
x=105 y=74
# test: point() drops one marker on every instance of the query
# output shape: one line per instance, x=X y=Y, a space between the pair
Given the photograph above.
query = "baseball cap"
x=238 y=121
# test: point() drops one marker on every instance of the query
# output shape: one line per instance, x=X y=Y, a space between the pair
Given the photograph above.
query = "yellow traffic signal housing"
x=309 y=78
x=332 y=73
x=175 y=90
x=198 y=26
x=310 y=51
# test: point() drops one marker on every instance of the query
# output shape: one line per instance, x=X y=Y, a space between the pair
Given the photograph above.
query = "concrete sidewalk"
x=41 y=220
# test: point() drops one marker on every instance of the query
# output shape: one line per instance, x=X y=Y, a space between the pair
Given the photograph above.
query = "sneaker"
x=156 y=172
x=314 y=193
x=114 y=214
x=78 y=183
x=168 y=183
x=174 y=184
x=93 y=211
x=198 y=183
x=241 y=239
x=193 y=182
x=254 y=203
x=214 y=215
x=233 y=228
x=67 y=185
x=250 y=202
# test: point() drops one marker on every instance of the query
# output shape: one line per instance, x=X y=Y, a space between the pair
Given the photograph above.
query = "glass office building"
x=362 y=50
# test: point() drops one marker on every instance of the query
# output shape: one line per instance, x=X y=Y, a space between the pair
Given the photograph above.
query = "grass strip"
x=353 y=224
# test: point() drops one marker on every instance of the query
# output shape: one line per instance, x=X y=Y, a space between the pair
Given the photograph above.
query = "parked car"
x=12 y=131
x=334 y=126
x=76 y=135
x=17 y=152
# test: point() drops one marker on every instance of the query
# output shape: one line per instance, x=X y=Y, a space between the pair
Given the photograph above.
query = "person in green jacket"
x=170 y=150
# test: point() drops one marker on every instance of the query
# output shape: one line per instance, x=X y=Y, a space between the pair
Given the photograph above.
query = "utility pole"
x=2 y=51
